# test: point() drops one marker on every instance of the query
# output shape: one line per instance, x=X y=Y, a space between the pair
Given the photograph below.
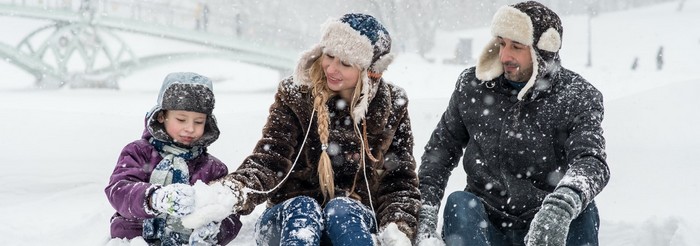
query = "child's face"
x=184 y=127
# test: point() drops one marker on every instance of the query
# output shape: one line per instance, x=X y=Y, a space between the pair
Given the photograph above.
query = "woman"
x=335 y=163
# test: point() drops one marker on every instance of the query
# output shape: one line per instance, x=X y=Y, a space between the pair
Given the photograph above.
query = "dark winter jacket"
x=129 y=186
x=393 y=182
x=518 y=151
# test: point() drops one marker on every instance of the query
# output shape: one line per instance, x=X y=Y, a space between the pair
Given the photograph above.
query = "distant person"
x=529 y=133
x=237 y=24
x=205 y=16
x=660 y=58
x=202 y=16
x=635 y=63
x=150 y=187
x=336 y=153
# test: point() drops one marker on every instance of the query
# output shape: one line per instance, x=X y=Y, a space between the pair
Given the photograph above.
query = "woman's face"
x=184 y=127
x=341 y=77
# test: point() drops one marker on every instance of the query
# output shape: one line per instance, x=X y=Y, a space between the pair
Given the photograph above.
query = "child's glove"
x=205 y=235
x=550 y=226
x=174 y=199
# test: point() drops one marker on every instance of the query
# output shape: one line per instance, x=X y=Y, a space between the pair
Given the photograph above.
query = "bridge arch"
x=85 y=50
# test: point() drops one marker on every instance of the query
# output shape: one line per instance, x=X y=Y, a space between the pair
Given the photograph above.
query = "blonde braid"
x=321 y=93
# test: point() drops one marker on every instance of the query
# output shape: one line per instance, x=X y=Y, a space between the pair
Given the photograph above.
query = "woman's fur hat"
x=357 y=39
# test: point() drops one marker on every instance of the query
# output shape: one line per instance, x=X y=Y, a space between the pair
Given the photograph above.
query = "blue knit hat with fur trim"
x=369 y=27
x=357 y=39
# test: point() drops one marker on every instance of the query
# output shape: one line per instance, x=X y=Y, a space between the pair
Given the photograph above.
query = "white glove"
x=205 y=235
x=391 y=235
x=174 y=199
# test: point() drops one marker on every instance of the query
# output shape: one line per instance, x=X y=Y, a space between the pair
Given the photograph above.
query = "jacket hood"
x=532 y=24
x=189 y=92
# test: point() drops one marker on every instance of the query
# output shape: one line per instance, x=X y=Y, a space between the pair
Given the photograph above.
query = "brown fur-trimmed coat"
x=393 y=180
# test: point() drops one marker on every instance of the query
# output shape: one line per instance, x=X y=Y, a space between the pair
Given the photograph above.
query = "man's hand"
x=427 y=223
x=550 y=226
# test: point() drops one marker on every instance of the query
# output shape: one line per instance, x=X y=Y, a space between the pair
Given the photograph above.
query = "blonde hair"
x=321 y=93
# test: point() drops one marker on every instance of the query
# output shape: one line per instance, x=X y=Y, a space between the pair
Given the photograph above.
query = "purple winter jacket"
x=129 y=184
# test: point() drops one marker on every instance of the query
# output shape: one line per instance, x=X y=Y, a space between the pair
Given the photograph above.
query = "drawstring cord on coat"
x=364 y=169
x=366 y=142
x=308 y=129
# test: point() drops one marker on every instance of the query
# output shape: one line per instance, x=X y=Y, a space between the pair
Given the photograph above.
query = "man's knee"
x=463 y=199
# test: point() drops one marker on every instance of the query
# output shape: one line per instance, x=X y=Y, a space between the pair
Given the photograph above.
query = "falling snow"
x=60 y=146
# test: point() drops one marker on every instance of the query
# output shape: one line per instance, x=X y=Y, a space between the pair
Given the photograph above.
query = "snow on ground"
x=60 y=146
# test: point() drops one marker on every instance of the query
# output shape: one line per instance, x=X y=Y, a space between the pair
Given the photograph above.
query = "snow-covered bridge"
x=81 y=47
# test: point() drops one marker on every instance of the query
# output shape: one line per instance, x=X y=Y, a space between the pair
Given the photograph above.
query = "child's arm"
x=128 y=187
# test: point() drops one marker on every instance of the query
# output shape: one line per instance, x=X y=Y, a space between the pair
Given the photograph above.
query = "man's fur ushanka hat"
x=529 y=23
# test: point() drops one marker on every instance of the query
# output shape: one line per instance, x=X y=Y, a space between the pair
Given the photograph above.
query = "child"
x=150 y=188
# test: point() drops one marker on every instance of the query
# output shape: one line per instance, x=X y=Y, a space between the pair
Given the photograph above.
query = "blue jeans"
x=466 y=223
x=301 y=221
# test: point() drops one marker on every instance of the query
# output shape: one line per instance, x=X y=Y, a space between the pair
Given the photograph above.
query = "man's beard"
x=519 y=75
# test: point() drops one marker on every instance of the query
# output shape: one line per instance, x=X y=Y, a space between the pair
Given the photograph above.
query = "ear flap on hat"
x=367 y=92
x=382 y=63
x=489 y=65
x=535 y=72
x=301 y=75
x=154 y=127
x=550 y=40
x=369 y=85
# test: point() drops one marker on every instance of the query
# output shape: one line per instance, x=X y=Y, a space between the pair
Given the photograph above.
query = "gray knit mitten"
x=550 y=227
x=427 y=224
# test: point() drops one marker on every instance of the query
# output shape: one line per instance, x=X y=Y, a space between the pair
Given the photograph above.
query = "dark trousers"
x=466 y=223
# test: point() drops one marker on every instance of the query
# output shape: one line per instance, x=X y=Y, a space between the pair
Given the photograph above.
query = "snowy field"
x=58 y=147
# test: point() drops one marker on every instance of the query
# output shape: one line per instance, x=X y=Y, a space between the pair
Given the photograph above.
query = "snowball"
x=137 y=241
x=391 y=235
x=431 y=241
x=212 y=203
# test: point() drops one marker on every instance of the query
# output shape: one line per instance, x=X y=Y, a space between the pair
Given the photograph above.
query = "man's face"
x=516 y=59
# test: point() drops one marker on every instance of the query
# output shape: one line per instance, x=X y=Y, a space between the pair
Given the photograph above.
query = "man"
x=530 y=132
